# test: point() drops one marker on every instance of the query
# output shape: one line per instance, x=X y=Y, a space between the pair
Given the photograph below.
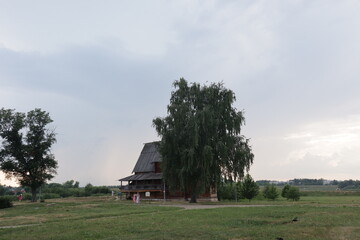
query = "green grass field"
x=319 y=217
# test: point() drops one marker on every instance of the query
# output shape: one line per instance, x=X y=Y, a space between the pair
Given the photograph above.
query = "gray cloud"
x=104 y=71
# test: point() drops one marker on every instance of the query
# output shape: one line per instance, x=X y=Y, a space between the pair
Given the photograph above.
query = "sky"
x=104 y=70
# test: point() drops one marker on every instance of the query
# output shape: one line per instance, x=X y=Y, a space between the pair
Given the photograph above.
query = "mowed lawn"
x=105 y=218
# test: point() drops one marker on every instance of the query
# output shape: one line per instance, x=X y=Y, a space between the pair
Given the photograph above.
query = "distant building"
x=147 y=179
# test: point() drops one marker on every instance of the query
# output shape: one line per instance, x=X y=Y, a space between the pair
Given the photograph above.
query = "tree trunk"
x=33 y=195
x=193 y=198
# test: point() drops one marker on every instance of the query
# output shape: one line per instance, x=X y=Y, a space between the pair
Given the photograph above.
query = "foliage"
x=50 y=195
x=2 y=190
x=91 y=190
x=349 y=185
x=229 y=191
x=71 y=189
x=201 y=142
x=263 y=182
x=226 y=191
x=25 y=152
x=5 y=202
x=249 y=189
x=307 y=181
x=57 y=190
x=293 y=193
x=285 y=190
x=270 y=192
x=71 y=184
x=88 y=189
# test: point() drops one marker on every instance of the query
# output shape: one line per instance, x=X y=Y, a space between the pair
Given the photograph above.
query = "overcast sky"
x=104 y=70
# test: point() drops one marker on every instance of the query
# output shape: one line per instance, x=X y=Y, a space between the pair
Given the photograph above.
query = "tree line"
x=349 y=185
x=249 y=189
x=342 y=184
x=69 y=188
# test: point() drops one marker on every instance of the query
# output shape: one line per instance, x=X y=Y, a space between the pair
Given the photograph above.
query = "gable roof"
x=148 y=156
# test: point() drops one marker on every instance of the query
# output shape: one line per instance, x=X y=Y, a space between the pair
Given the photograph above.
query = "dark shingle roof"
x=146 y=160
x=142 y=176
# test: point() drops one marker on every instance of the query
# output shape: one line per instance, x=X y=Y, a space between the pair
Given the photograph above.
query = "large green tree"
x=25 y=151
x=200 y=138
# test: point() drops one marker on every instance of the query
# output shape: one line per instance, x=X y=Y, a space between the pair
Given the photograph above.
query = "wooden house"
x=147 y=179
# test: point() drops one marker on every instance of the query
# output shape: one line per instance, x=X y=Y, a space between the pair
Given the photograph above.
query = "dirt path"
x=19 y=226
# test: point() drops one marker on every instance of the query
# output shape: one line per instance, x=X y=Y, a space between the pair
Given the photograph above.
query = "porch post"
x=164 y=192
x=120 y=190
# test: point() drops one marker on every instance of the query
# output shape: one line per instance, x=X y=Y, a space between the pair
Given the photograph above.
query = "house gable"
x=147 y=159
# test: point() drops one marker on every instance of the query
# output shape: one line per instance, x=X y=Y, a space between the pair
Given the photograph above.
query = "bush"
x=285 y=191
x=77 y=192
x=88 y=189
x=229 y=191
x=49 y=196
x=27 y=196
x=91 y=190
x=2 y=190
x=249 y=189
x=100 y=190
x=71 y=189
x=270 y=192
x=5 y=202
x=226 y=191
x=293 y=194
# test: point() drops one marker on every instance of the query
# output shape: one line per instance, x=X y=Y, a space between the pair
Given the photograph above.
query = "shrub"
x=270 y=192
x=226 y=191
x=249 y=189
x=229 y=191
x=100 y=190
x=2 y=190
x=69 y=189
x=77 y=192
x=91 y=190
x=49 y=196
x=27 y=196
x=5 y=202
x=285 y=191
x=293 y=194
x=88 y=189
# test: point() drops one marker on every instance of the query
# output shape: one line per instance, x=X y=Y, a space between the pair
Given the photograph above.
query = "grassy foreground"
x=105 y=218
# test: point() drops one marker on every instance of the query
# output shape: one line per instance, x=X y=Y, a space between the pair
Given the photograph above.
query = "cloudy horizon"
x=104 y=70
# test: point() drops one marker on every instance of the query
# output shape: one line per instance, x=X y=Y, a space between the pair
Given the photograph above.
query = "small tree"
x=89 y=188
x=293 y=193
x=285 y=191
x=249 y=189
x=270 y=192
x=71 y=184
x=25 y=151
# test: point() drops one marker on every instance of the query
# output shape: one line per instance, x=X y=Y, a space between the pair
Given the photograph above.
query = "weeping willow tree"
x=201 y=143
